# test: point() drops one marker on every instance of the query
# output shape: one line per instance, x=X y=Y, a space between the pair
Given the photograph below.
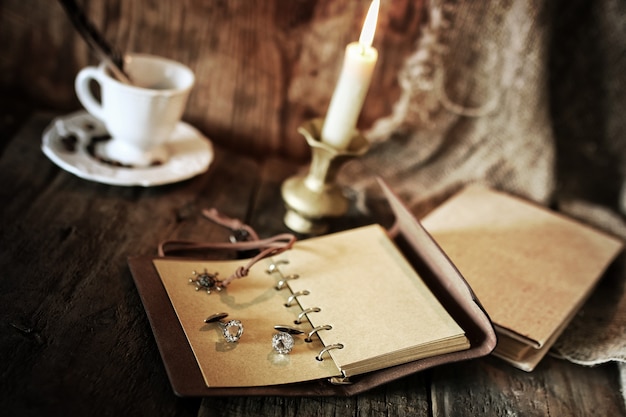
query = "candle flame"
x=369 y=26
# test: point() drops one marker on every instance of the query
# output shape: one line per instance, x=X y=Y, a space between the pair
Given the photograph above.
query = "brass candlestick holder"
x=313 y=197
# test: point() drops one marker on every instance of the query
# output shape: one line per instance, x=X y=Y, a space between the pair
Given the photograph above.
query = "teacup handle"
x=83 y=91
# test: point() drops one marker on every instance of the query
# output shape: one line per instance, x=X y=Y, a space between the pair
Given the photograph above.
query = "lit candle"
x=354 y=80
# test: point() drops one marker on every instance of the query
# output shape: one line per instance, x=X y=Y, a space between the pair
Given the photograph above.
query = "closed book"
x=532 y=268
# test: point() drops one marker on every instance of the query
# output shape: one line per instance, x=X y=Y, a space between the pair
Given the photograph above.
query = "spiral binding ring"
x=283 y=282
x=291 y=299
x=326 y=349
x=274 y=266
x=305 y=312
x=315 y=330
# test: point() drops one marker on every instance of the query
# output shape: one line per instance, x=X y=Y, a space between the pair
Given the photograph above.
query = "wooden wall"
x=262 y=67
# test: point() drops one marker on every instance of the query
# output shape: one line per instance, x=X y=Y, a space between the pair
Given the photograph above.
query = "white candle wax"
x=354 y=81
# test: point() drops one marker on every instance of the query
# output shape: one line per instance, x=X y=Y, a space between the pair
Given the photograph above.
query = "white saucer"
x=67 y=139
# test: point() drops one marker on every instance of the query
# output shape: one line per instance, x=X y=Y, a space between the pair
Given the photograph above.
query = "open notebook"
x=379 y=312
x=384 y=309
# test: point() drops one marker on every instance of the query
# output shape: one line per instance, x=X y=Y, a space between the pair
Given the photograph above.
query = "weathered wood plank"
x=74 y=337
x=490 y=387
x=267 y=207
x=406 y=397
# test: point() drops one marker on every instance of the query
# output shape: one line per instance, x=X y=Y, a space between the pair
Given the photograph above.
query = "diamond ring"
x=283 y=342
x=232 y=329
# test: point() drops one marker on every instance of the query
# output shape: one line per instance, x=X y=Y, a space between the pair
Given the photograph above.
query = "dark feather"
x=109 y=55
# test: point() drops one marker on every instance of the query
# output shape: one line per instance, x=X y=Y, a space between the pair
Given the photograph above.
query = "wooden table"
x=75 y=339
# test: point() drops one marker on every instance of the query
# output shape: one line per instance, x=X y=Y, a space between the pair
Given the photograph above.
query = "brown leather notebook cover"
x=440 y=275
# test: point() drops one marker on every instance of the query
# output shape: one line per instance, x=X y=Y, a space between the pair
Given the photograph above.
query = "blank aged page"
x=380 y=310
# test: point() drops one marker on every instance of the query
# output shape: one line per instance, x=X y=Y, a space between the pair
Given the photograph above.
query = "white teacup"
x=140 y=117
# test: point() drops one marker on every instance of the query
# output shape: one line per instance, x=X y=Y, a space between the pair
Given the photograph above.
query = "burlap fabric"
x=526 y=97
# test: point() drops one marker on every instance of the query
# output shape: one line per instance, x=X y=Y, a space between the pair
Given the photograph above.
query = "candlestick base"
x=310 y=199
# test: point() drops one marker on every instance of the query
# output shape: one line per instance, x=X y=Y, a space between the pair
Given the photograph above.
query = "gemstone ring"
x=231 y=330
x=283 y=342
